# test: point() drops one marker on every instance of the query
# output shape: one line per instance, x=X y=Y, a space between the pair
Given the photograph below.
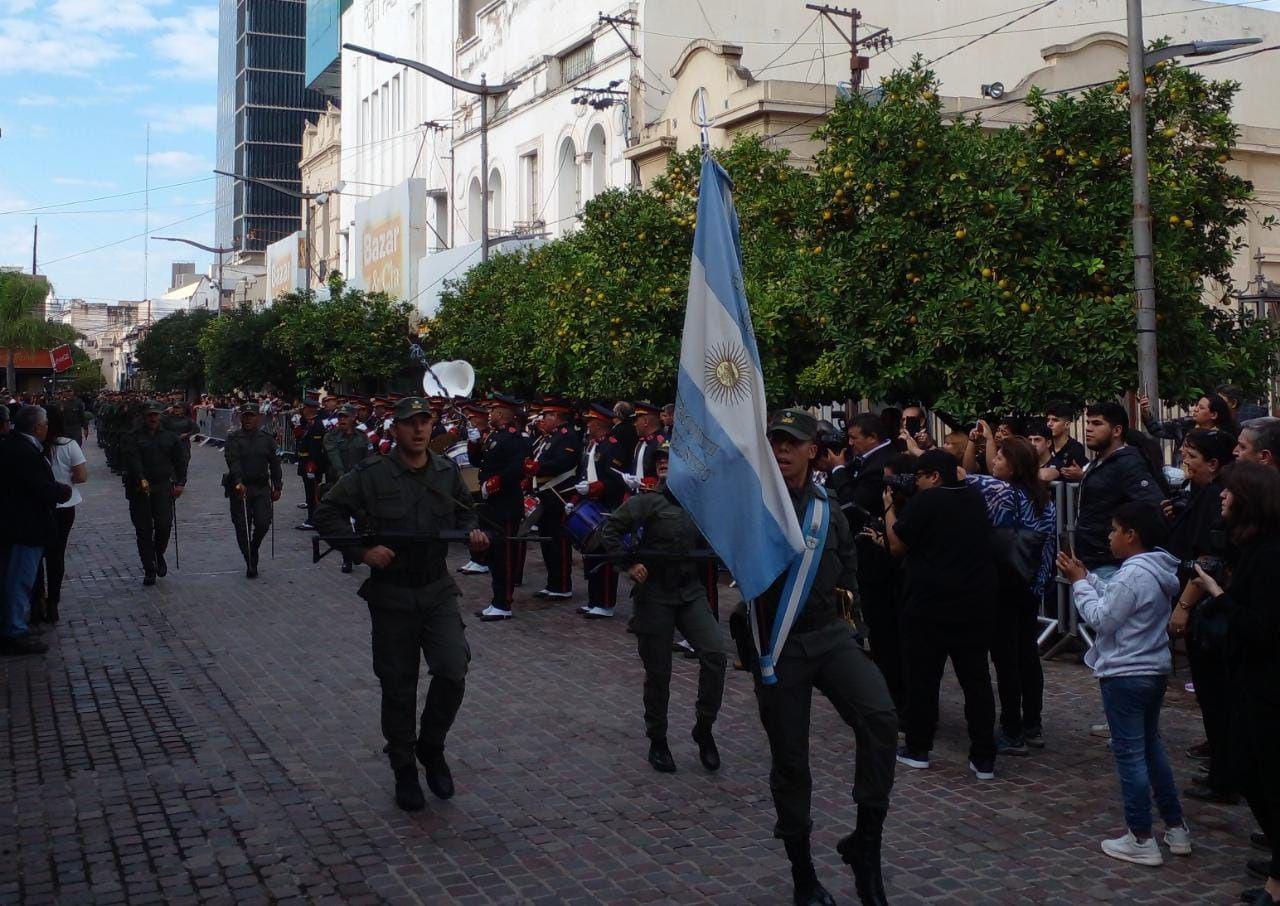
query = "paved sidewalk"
x=215 y=739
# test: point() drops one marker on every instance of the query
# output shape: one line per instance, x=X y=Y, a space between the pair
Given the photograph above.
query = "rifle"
x=403 y=539
x=641 y=554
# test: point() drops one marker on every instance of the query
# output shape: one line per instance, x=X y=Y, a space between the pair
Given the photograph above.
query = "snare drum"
x=458 y=453
x=583 y=526
x=533 y=510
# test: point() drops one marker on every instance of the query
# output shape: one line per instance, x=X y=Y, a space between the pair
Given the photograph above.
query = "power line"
x=786 y=49
x=1018 y=18
x=134 y=236
x=63 y=204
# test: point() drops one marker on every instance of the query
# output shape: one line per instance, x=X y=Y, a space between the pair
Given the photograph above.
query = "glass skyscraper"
x=263 y=106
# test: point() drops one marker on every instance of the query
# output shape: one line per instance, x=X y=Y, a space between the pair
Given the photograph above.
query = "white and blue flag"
x=722 y=467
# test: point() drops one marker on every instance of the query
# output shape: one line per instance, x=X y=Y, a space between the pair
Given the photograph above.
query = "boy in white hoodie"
x=1130 y=657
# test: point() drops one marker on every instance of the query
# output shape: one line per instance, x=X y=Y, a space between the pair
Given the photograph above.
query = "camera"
x=829 y=439
x=914 y=425
x=1214 y=567
x=901 y=484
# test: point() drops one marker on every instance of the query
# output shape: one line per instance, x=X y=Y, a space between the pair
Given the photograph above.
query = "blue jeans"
x=18 y=565
x=1133 y=706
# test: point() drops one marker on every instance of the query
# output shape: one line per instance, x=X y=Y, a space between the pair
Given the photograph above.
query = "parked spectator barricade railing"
x=216 y=424
x=1065 y=623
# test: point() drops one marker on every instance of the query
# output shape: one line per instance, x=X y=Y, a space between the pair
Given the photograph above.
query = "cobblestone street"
x=215 y=739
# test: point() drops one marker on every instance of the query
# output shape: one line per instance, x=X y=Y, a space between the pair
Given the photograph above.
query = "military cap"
x=502 y=400
x=411 y=406
x=599 y=410
x=250 y=408
x=153 y=406
x=311 y=401
x=664 y=449
x=347 y=410
x=646 y=409
x=796 y=422
x=556 y=404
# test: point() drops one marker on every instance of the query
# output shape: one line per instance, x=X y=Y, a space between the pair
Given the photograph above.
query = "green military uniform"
x=343 y=452
x=821 y=652
x=672 y=595
x=180 y=424
x=155 y=462
x=253 y=476
x=413 y=603
x=73 y=417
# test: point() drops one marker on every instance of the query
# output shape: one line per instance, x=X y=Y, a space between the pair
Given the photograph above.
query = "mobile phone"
x=1066 y=543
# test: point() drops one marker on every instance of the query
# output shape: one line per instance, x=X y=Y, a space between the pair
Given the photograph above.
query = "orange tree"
x=991 y=269
x=598 y=313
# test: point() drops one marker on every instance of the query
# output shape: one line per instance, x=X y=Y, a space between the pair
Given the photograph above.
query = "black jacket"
x=1252 y=612
x=1122 y=477
x=859 y=488
x=28 y=493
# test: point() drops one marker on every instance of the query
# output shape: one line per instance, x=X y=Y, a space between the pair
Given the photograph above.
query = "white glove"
x=631 y=481
x=582 y=487
x=484 y=490
x=473 y=434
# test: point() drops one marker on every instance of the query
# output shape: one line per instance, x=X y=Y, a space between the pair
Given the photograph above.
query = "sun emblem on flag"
x=728 y=373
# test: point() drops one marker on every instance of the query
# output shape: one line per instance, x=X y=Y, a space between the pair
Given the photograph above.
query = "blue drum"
x=583 y=526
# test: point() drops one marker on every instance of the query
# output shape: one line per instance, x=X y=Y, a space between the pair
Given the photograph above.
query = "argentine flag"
x=722 y=468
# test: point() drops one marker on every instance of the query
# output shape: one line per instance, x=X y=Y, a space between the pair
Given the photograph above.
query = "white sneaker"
x=1102 y=731
x=1128 y=849
x=1178 y=839
x=492 y=613
x=598 y=613
x=472 y=568
x=684 y=645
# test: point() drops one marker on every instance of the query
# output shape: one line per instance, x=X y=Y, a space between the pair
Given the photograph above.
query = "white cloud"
x=194 y=118
x=176 y=163
x=105 y=15
x=190 y=43
x=37 y=100
x=28 y=47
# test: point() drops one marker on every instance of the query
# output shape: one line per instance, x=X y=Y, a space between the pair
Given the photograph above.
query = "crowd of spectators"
x=961 y=550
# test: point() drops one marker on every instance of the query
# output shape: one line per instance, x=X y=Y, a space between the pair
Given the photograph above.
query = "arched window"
x=473 y=209
x=598 y=173
x=568 y=186
x=497 y=207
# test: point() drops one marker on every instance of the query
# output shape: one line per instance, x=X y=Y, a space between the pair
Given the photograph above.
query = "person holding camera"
x=1130 y=657
x=1210 y=411
x=946 y=540
x=855 y=476
x=1024 y=519
x=1242 y=620
x=1195 y=536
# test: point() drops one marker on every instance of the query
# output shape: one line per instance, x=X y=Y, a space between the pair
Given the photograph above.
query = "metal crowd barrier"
x=215 y=424
x=1065 y=622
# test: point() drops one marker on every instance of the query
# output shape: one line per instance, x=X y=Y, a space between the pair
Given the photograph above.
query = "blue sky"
x=79 y=82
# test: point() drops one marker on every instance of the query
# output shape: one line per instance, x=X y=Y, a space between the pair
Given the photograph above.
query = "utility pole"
x=1144 y=281
x=858 y=64
x=146 y=227
x=35 y=243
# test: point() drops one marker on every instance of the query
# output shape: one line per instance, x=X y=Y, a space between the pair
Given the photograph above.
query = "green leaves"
x=169 y=355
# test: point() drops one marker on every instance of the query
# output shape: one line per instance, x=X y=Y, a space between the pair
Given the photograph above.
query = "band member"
x=668 y=593
x=623 y=431
x=649 y=439
x=552 y=471
x=310 y=439
x=329 y=414
x=501 y=474
x=820 y=652
x=155 y=474
x=413 y=601
x=477 y=436
x=253 y=482
x=600 y=480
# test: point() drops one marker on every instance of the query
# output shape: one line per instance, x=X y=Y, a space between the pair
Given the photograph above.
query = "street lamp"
x=1143 y=250
x=214 y=250
x=485 y=91
x=319 y=198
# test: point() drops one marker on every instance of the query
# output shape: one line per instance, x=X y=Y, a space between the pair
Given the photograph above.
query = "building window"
x=467 y=18
x=532 y=199
x=575 y=63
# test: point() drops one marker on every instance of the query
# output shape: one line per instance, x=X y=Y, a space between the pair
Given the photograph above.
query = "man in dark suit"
x=856 y=477
x=28 y=497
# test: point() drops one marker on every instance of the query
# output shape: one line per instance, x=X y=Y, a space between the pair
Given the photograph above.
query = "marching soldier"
x=179 y=422
x=74 y=420
x=600 y=480
x=668 y=593
x=551 y=470
x=253 y=483
x=345 y=447
x=622 y=431
x=413 y=601
x=501 y=474
x=649 y=439
x=311 y=464
x=820 y=652
x=155 y=474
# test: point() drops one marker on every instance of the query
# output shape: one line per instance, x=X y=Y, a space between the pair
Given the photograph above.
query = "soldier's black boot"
x=861 y=852
x=806 y=889
x=708 y=754
x=251 y=564
x=162 y=568
x=439 y=777
x=660 y=756
x=408 y=791
x=149 y=577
